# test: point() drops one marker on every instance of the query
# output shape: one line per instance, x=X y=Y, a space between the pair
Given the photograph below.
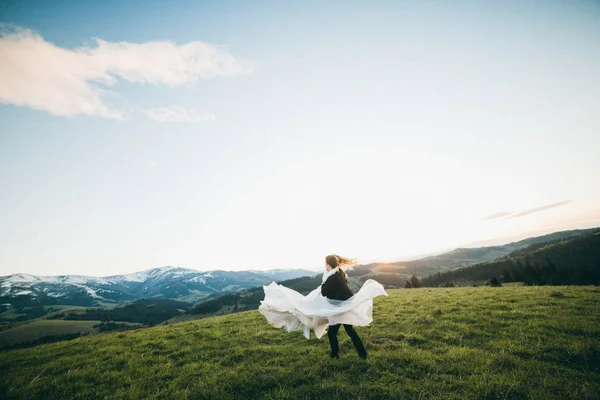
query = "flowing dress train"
x=285 y=307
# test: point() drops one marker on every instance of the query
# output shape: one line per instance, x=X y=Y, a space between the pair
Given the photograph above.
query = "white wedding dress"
x=284 y=307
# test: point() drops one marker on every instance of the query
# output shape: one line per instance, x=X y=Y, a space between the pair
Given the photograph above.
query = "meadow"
x=511 y=342
x=39 y=328
x=30 y=333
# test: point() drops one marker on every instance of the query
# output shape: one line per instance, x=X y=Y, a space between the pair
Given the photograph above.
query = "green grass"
x=63 y=307
x=444 y=343
x=105 y=304
x=10 y=315
x=39 y=328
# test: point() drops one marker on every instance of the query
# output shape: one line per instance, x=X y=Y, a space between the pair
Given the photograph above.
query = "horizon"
x=314 y=268
x=267 y=135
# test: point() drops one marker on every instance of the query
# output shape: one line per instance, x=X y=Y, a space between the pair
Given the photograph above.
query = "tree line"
x=573 y=261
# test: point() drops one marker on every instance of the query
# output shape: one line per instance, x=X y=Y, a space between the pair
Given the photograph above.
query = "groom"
x=336 y=288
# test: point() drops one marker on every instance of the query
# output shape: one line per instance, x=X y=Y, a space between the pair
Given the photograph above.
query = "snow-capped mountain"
x=167 y=282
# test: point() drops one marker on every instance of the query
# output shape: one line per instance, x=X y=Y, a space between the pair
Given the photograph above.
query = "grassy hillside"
x=30 y=333
x=39 y=329
x=453 y=343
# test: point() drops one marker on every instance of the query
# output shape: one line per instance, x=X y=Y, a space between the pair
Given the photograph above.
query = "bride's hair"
x=338 y=261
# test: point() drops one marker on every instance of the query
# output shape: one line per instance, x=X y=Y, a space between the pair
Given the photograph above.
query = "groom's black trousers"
x=333 y=341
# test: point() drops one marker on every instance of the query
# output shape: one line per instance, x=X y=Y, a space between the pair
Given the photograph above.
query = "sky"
x=260 y=135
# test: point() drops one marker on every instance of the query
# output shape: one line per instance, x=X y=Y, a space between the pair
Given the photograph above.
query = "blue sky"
x=256 y=135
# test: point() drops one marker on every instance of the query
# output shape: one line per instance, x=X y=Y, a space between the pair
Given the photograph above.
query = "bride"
x=328 y=306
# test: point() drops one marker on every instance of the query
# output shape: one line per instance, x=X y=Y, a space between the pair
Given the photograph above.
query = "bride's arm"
x=325 y=287
x=328 y=286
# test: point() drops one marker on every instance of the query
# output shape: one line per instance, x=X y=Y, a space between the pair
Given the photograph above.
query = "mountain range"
x=168 y=282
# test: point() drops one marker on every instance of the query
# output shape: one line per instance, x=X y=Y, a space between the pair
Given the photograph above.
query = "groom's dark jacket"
x=336 y=287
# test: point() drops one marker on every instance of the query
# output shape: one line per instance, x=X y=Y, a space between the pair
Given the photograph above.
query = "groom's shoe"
x=363 y=356
x=335 y=355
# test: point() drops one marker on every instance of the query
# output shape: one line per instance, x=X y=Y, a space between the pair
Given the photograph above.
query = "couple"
x=328 y=306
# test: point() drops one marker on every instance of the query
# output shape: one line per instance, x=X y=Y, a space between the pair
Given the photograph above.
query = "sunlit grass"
x=451 y=343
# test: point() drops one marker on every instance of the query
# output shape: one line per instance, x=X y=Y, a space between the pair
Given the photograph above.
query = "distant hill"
x=569 y=260
x=67 y=324
x=146 y=311
x=248 y=299
x=458 y=258
x=24 y=296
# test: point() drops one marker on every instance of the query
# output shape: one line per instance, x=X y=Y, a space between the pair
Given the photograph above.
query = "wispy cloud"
x=64 y=82
x=497 y=215
x=538 y=209
x=509 y=215
x=178 y=114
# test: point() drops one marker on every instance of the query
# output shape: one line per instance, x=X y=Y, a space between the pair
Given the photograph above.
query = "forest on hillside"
x=147 y=312
x=573 y=261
